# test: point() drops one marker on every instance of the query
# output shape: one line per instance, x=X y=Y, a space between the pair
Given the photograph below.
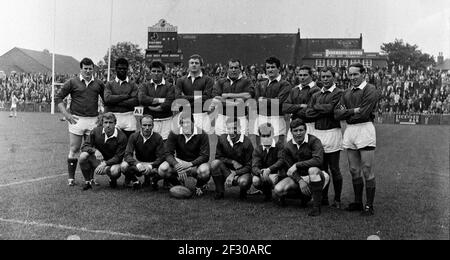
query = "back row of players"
x=254 y=146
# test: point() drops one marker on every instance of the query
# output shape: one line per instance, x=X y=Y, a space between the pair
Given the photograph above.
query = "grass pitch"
x=412 y=200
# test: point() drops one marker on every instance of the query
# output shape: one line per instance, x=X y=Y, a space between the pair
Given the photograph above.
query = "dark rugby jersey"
x=112 y=150
x=196 y=150
x=366 y=99
x=241 y=152
x=150 y=151
x=273 y=159
x=321 y=109
x=121 y=98
x=224 y=86
x=309 y=155
x=149 y=91
x=275 y=90
x=84 y=100
x=185 y=89
x=297 y=97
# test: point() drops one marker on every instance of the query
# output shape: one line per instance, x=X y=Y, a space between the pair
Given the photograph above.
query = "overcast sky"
x=82 y=26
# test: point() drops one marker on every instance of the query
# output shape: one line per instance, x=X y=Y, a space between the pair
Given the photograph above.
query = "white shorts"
x=203 y=122
x=310 y=129
x=83 y=126
x=278 y=123
x=162 y=126
x=221 y=125
x=325 y=174
x=13 y=106
x=126 y=121
x=358 y=136
x=331 y=139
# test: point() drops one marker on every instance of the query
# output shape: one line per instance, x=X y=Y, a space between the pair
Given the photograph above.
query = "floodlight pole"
x=52 y=109
x=110 y=40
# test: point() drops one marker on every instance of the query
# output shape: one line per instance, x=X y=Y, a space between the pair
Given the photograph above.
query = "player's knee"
x=204 y=171
x=83 y=157
x=354 y=170
x=115 y=171
x=244 y=181
x=279 y=190
x=256 y=181
x=164 y=170
x=124 y=166
x=215 y=165
x=313 y=171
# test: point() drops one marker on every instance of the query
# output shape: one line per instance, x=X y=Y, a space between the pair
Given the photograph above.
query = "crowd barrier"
x=385 y=118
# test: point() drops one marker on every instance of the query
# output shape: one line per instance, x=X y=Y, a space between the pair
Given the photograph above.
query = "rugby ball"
x=180 y=192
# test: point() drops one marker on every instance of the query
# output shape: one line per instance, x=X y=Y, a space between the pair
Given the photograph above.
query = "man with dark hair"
x=187 y=155
x=271 y=93
x=357 y=106
x=121 y=97
x=233 y=162
x=267 y=163
x=84 y=91
x=196 y=88
x=103 y=152
x=144 y=155
x=157 y=96
x=304 y=155
x=300 y=96
x=328 y=130
x=230 y=93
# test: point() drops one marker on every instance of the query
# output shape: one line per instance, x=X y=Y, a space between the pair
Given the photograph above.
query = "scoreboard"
x=163 y=42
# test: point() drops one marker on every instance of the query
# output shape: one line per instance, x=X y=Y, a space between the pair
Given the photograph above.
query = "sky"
x=82 y=27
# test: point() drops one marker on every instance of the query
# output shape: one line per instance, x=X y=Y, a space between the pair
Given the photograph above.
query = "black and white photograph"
x=244 y=122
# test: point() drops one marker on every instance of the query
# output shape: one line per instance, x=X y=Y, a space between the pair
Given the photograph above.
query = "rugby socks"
x=358 y=188
x=219 y=181
x=337 y=184
x=325 y=193
x=370 y=191
x=72 y=167
x=316 y=192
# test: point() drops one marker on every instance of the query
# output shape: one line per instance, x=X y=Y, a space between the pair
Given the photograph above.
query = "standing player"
x=144 y=155
x=121 y=96
x=233 y=162
x=232 y=92
x=103 y=152
x=357 y=106
x=299 y=98
x=328 y=130
x=14 y=101
x=267 y=162
x=187 y=155
x=157 y=96
x=271 y=93
x=84 y=91
x=304 y=155
x=187 y=86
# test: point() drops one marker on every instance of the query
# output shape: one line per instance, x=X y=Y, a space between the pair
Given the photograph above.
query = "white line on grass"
x=32 y=180
x=104 y=232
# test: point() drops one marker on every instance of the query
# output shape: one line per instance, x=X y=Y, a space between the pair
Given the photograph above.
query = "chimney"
x=440 y=59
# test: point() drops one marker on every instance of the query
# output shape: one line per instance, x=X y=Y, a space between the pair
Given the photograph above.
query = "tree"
x=405 y=54
x=130 y=51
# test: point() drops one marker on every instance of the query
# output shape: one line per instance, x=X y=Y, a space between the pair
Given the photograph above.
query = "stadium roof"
x=249 y=48
x=30 y=61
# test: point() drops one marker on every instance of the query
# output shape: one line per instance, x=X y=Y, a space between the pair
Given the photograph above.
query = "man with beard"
x=357 y=106
x=328 y=130
x=103 y=152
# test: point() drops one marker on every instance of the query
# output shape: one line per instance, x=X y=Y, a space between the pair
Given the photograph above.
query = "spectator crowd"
x=403 y=91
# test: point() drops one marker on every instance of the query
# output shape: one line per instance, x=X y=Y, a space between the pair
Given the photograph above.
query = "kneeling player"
x=233 y=162
x=304 y=155
x=267 y=163
x=103 y=152
x=191 y=148
x=148 y=147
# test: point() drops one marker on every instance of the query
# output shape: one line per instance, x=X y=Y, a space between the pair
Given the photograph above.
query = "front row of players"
x=290 y=169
